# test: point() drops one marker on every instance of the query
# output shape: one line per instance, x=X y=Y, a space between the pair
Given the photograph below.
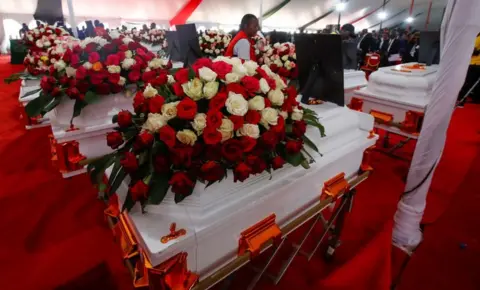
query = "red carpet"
x=54 y=236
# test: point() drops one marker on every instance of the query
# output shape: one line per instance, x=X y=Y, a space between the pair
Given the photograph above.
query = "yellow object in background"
x=476 y=57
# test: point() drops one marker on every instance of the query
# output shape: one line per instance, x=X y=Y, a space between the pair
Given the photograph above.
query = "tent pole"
x=383 y=10
x=260 y=16
x=339 y=17
x=427 y=21
x=410 y=13
x=71 y=18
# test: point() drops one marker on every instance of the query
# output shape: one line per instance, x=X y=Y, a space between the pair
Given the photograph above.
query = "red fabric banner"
x=183 y=14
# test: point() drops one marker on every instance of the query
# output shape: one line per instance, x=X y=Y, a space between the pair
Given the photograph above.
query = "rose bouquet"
x=95 y=67
x=214 y=43
x=153 y=37
x=216 y=117
x=281 y=58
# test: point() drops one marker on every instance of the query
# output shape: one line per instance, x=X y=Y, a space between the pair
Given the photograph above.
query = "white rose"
x=194 y=89
x=169 y=110
x=211 y=40
x=30 y=38
x=207 y=38
x=278 y=63
x=236 y=104
x=87 y=65
x=239 y=69
x=42 y=30
x=39 y=43
x=127 y=63
x=122 y=81
x=114 y=69
x=297 y=114
x=36 y=31
x=267 y=69
x=226 y=129
x=256 y=103
x=264 y=87
x=284 y=114
x=232 y=78
x=154 y=123
x=249 y=130
x=276 y=97
x=155 y=63
x=59 y=65
x=187 y=137
x=276 y=45
x=71 y=72
x=294 y=56
x=199 y=122
x=269 y=51
x=269 y=117
x=210 y=89
x=251 y=67
x=285 y=57
x=280 y=84
x=171 y=79
x=128 y=54
x=149 y=92
x=207 y=74
x=47 y=43
x=217 y=51
x=52 y=60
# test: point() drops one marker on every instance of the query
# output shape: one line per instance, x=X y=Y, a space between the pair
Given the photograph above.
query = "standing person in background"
x=242 y=45
x=349 y=46
x=473 y=75
x=366 y=44
x=403 y=46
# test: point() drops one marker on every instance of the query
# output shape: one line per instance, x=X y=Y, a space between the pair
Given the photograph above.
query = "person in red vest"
x=242 y=45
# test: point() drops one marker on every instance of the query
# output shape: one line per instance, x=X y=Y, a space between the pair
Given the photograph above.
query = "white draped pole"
x=260 y=16
x=460 y=26
x=71 y=18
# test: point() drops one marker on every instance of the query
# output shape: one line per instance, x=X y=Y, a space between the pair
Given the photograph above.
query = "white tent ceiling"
x=228 y=12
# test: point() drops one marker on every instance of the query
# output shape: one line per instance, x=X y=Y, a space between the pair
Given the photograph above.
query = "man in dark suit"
x=365 y=44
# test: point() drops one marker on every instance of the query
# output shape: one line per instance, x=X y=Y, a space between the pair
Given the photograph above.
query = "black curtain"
x=49 y=11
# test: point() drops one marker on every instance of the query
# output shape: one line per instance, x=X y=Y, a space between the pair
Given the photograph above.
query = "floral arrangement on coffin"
x=153 y=37
x=215 y=117
x=213 y=43
x=281 y=58
x=38 y=42
x=92 y=69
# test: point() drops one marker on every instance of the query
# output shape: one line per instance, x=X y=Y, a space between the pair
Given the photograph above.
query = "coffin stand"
x=216 y=230
x=86 y=138
x=397 y=97
x=31 y=122
x=353 y=80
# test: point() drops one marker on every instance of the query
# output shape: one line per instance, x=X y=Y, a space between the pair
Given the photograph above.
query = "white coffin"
x=28 y=86
x=91 y=127
x=353 y=80
x=396 y=92
x=214 y=217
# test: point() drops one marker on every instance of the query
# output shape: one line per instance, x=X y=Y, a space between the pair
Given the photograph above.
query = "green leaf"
x=77 y=108
x=90 y=97
x=50 y=106
x=295 y=159
x=115 y=119
x=305 y=164
x=309 y=143
x=32 y=92
x=36 y=106
x=307 y=111
x=102 y=187
x=128 y=203
x=191 y=74
x=158 y=188
x=318 y=125
x=115 y=183
x=179 y=197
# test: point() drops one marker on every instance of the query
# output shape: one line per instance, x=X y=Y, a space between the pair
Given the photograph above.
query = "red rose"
x=253 y=117
x=271 y=83
x=112 y=59
x=214 y=152
x=262 y=73
x=251 y=84
x=155 y=104
x=56 y=92
x=214 y=119
x=294 y=73
x=63 y=80
x=91 y=47
x=248 y=143
x=143 y=140
x=211 y=136
x=74 y=60
x=232 y=150
x=293 y=147
x=129 y=162
x=161 y=164
x=201 y=62
x=96 y=78
x=268 y=104
x=160 y=80
x=178 y=90
x=222 y=68
x=257 y=164
x=134 y=75
x=181 y=76
x=274 y=68
x=283 y=72
x=116 y=89
x=46 y=83
x=148 y=76
x=93 y=57
x=182 y=155
x=218 y=102
x=83 y=86
x=124 y=119
x=269 y=139
x=123 y=47
x=139 y=103
x=114 y=139
x=167 y=135
x=237 y=121
x=299 y=128
x=73 y=93
x=181 y=183
x=212 y=171
x=277 y=162
x=139 y=191
x=237 y=89
x=241 y=172
x=133 y=45
x=186 y=109
x=114 y=78
x=280 y=127
x=102 y=89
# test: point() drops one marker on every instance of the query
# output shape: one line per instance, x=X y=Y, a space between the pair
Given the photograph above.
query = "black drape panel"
x=49 y=11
